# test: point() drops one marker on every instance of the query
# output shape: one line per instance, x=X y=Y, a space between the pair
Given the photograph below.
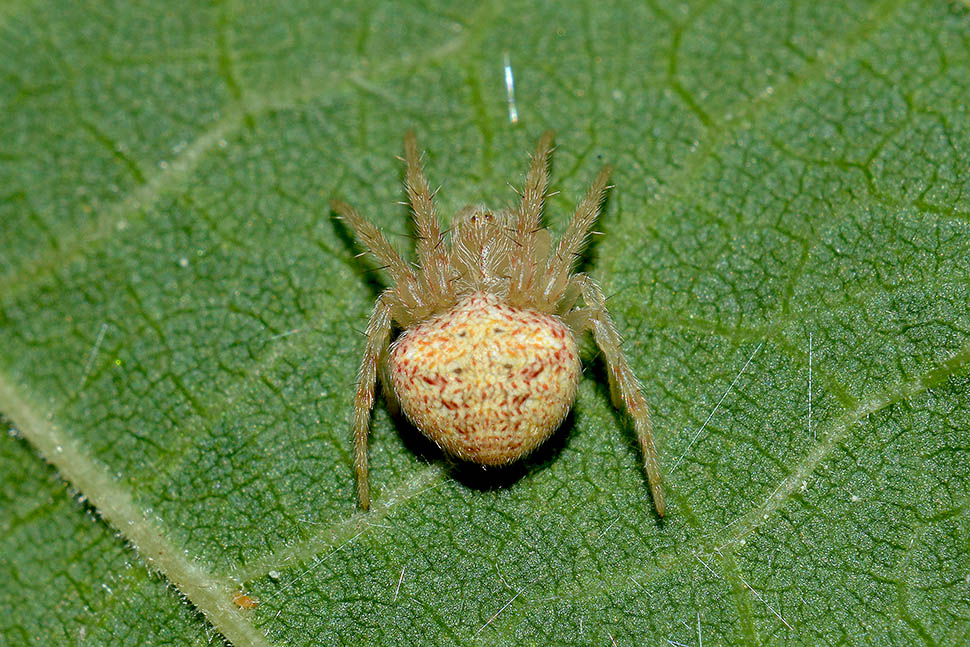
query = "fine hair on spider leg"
x=487 y=364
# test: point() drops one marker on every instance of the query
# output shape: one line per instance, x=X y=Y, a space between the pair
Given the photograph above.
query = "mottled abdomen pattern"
x=485 y=381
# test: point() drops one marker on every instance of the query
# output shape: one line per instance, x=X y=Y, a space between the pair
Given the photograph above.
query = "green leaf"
x=787 y=246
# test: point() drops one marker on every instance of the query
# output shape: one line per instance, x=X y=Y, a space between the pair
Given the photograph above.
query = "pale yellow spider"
x=487 y=365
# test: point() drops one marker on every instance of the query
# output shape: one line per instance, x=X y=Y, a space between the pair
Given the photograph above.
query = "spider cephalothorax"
x=487 y=366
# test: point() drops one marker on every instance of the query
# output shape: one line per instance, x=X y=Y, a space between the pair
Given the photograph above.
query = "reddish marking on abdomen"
x=437 y=380
x=531 y=372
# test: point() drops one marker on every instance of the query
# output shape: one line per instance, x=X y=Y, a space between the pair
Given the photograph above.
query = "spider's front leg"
x=624 y=386
x=378 y=336
x=432 y=252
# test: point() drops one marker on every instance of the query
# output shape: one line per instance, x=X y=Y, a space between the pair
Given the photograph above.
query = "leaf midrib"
x=211 y=594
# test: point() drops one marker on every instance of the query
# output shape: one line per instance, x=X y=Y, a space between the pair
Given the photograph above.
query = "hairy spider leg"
x=378 y=337
x=523 y=265
x=562 y=260
x=406 y=283
x=431 y=247
x=624 y=387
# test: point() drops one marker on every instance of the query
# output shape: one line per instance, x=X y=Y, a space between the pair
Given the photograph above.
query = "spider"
x=487 y=365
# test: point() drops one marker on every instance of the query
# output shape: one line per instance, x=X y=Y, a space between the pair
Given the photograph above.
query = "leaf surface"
x=787 y=248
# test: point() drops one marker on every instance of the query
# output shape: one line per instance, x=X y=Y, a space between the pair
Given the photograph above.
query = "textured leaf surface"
x=788 y=249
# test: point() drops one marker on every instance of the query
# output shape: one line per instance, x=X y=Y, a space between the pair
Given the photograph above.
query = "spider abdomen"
x=485 y=381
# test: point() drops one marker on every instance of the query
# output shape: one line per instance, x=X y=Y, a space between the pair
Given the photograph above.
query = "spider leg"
x=526 y=223
x=378 y=336
x=372 y=238
x=579 y=320
x=565 y=304
x=536 y=183
x=431 y=248
x=562 y=260
x=623 y=383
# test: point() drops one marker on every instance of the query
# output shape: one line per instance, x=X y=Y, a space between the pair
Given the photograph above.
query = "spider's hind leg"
x=624 y=386
x=378 y=335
